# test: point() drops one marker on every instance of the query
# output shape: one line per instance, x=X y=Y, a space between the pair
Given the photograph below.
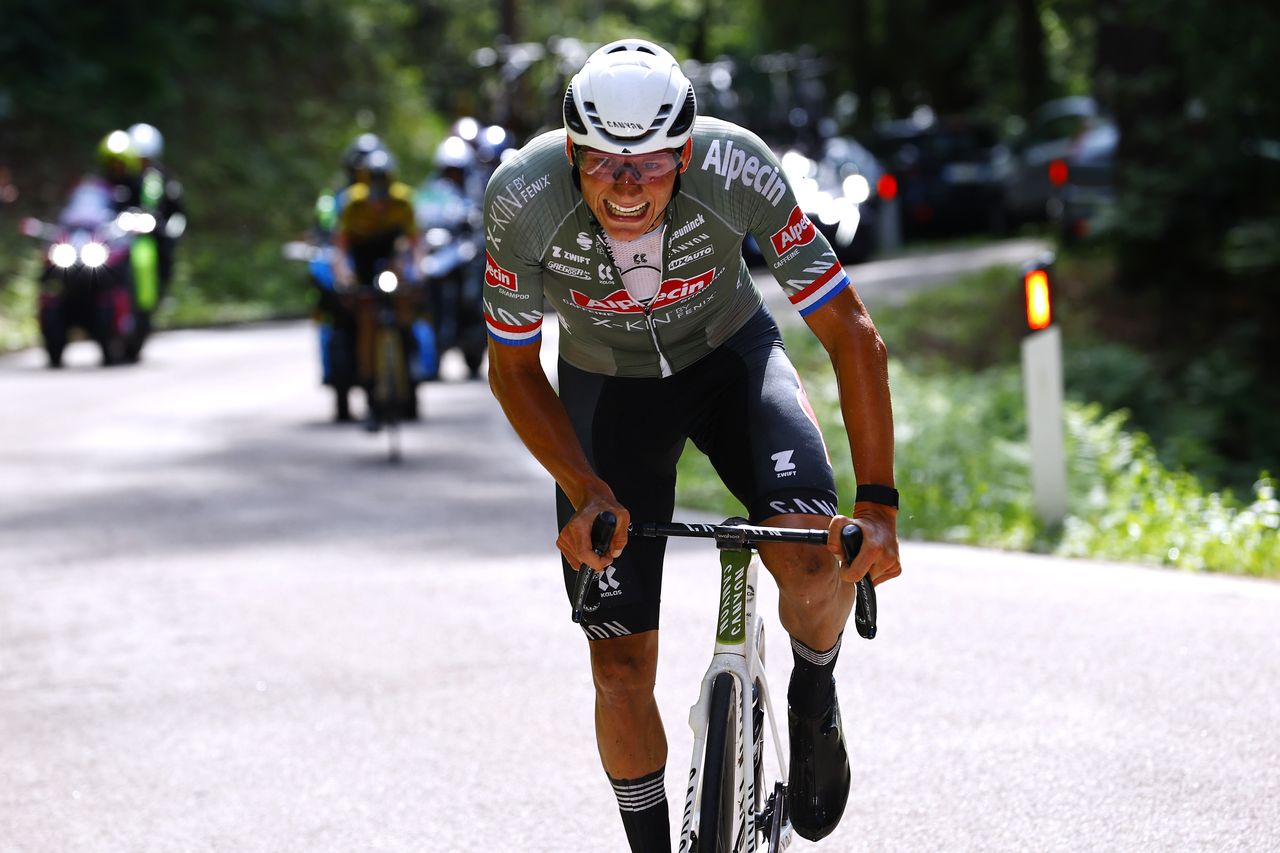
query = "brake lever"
x=601 y=537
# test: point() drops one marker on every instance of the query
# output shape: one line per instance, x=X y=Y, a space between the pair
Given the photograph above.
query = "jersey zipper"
x=664 y=366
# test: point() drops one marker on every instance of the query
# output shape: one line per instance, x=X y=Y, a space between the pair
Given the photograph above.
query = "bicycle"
x=393 y=395
x=725 y=810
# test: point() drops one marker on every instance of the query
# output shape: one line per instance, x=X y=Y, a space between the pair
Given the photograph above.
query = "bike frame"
x=736 y=623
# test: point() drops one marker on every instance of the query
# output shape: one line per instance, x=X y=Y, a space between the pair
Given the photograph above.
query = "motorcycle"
x=453 y=268
x=88 y=277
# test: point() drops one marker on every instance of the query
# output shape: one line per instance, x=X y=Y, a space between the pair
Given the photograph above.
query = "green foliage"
x=964 y=472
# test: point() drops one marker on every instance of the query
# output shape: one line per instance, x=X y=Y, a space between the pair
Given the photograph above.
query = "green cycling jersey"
x=544 y=248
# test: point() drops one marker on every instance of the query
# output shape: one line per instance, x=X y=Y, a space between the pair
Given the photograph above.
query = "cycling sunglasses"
x=646 y=168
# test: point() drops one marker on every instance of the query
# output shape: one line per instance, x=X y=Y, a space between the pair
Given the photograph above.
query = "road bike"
x=728 y=810
x=387 y=309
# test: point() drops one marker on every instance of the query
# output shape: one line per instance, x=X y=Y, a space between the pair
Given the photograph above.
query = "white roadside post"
x=1042 y=386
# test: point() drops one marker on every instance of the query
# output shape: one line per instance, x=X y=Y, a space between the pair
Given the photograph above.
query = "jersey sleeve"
x=797 y=253
x=512 y=265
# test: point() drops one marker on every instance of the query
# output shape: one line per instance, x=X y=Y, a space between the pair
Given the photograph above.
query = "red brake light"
x=1058 y=172
x=887 y=187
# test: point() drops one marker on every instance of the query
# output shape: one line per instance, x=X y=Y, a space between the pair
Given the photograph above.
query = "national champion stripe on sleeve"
x=505 y=333
x=820 y=292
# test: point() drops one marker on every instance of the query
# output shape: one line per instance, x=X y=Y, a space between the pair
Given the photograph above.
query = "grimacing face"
x=625 y=207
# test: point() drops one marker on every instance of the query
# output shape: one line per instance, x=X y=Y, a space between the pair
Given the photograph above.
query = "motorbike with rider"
x=93 y=261
x=448 y=212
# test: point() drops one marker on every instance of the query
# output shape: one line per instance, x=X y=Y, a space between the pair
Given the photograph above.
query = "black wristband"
x=875 y=494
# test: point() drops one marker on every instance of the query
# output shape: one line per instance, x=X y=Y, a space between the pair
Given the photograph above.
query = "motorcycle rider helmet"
x=495 y=142
x=147 y=141
x=360 y=148
x=380 y=170
x=467 y=128
x=629 y=98
x=454 y=153
x=116 y=156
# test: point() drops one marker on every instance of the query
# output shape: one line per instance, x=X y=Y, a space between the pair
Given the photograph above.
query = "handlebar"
x=733 y=534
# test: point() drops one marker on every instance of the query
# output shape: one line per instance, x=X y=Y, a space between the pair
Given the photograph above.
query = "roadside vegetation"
x=962 y=456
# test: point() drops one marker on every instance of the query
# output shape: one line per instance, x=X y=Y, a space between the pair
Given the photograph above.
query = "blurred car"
x=1032 y=168
x=844 y=192
x=1083 y=203
x=944 y=171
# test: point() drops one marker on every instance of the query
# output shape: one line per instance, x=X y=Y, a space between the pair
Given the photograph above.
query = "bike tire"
x=720 y=769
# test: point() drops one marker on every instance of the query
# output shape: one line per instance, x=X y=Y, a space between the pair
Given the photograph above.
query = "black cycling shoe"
x=819 y=777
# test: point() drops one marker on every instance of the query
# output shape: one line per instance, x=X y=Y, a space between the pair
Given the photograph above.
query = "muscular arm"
x=538 y=417
x=860 y=360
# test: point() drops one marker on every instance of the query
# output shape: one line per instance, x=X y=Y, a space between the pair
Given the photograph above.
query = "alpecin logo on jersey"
x=496 y=276
x=673 y=290
x=797 y=232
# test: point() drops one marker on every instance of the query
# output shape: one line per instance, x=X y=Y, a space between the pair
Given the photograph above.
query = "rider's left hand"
x=879 y=554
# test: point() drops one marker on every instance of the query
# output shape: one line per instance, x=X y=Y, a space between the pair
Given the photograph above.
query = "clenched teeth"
x=625 y=211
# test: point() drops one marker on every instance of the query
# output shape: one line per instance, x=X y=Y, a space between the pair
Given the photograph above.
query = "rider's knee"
x=802 y=569
x=623 y=671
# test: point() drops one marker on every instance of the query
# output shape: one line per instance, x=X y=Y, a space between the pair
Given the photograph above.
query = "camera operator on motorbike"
x=630 y=223
x=375 y=231
x=447 y=206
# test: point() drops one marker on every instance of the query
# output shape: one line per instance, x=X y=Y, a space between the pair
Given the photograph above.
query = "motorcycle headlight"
x=62 y=255
x=136 y=222
x=438 y=237
x=856 y=189
x=93 y=255
x=387 y=282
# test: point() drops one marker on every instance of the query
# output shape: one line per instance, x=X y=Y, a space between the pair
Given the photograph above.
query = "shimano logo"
x=734 y=164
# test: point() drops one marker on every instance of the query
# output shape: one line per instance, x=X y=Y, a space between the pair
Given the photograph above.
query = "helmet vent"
x=571 y=116
x=684 y=119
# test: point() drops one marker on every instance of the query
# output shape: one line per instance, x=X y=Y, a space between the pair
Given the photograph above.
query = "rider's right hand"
x=574 y=540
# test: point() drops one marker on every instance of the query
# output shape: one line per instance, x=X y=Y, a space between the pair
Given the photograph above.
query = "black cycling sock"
x=643 y=805
x=812 y=677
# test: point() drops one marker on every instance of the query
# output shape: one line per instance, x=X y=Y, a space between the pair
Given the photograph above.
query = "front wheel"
x=720 y=769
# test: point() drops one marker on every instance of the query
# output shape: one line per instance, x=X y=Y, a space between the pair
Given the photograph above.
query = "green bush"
x=964 y=470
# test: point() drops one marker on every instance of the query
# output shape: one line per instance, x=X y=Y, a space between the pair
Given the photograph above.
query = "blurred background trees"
x=257 y=99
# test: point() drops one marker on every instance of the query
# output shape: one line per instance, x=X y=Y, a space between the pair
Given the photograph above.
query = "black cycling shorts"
x=742 y=405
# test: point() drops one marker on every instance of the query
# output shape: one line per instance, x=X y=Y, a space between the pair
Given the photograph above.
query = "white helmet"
x=454 y=153
x=147 y=141
x=629 y=98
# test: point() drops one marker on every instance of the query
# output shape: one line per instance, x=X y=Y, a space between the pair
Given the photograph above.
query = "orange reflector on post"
x=1039 y=312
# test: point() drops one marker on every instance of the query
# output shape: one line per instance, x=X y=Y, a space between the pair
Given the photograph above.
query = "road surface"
x=226 y=625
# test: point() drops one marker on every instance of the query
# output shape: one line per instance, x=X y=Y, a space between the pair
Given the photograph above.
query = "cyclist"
x=629 y=223
x=375 y=231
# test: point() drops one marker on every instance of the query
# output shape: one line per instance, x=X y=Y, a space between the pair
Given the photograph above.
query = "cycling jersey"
x=743 y=406
x=364 y=220
x=544 y=247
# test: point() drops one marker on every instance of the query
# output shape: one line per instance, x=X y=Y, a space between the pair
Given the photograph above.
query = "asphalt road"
x=226 y=625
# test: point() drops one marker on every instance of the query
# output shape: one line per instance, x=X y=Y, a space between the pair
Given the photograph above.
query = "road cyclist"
x=629 y=223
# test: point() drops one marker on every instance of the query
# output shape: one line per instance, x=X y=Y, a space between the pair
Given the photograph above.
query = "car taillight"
x=887 y=187
x=1058 y=172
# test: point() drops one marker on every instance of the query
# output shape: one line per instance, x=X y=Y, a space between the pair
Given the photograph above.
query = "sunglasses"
x=645 y=167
